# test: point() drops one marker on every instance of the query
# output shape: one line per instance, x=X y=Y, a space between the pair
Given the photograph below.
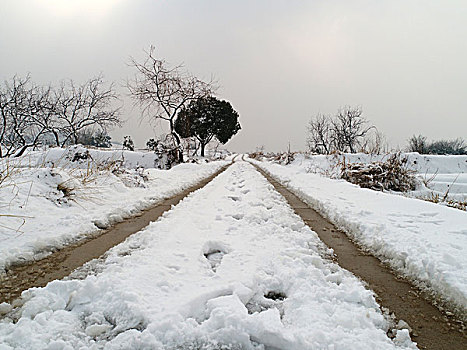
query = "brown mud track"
x=431 y=328
x=62 y=262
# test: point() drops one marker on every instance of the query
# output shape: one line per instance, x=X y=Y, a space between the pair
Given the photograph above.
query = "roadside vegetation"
x=347 y=146
x=34 y=116
x=53 y=133
x=185 y=102
x=348 y=131
x=421 y=145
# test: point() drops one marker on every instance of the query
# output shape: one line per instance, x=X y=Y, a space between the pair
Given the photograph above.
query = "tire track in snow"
x=274 y=287
x=62 y=262
x=431 y=328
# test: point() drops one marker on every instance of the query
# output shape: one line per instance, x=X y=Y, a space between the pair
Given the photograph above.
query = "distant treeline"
x=421 y=145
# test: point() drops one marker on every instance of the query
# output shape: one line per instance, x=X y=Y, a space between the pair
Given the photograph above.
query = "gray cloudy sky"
x=279 y=62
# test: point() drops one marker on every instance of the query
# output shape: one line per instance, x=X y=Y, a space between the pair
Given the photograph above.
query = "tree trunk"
x=177 y=140
x=195 y=152
x=57 y=139
x=23 y=149
x=202 y=149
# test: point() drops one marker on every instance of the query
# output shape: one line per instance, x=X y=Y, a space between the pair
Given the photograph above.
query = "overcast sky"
x=278 y=62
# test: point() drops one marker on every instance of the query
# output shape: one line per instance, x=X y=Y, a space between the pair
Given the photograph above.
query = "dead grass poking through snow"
x=391 y=174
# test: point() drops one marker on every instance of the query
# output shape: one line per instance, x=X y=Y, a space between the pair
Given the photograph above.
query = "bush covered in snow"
x=284 y=158
x=391 y=174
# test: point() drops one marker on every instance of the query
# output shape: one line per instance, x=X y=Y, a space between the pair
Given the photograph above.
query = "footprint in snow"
x=214 y=258
x=214 y=252
x=173 y=267
x=237 y=216
x=428 y=214
x=271 y=299
x=273 y=295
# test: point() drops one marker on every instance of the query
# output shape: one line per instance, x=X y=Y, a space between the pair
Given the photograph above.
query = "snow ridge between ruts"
x=230 y=267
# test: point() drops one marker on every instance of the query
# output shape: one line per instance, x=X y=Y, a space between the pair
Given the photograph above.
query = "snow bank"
x=63 y=157
x=44 y=208
x=422 y=164
x=441 y=178
x=422 y=240
x=230 y=267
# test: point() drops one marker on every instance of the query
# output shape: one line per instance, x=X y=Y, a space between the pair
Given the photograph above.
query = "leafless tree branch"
x=162 y=90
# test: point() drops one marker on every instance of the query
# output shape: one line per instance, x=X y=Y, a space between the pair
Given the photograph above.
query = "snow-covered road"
x=230 y=267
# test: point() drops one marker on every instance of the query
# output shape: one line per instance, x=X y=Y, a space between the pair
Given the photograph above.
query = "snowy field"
x=241 y=271
x=424 y=241
x=438 y=176
x=48 y=200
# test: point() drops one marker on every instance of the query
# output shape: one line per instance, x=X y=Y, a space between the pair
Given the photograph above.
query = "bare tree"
x=374 y=143
x=42 y=118
x=30 y=114
x=349 y=128
x=345 y=132
x=20 y=106
x=162 y=90
x=319 y=134
x=418 y=144
x=455 y=146
x=88 y=105
x=8 y=95
x=421 y=145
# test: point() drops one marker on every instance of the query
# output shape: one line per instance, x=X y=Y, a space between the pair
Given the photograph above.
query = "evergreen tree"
x=128 y=143
x=206 y=118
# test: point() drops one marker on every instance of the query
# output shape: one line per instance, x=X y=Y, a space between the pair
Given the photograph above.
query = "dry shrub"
x=453 y=203
x=256 y=155
x=392 y=174
x=284 y=158
x=287 y=158
x=458 y=204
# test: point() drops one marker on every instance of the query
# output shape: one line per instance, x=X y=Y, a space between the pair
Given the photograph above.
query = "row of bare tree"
x=31 y=114
x=421 y=145
x=347 y=131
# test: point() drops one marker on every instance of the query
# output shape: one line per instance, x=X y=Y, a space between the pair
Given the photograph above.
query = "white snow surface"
x=63 y=157
x=424 y=241
x=36 y=217
x=197 y=279
x=420 y=163
x=445 y=176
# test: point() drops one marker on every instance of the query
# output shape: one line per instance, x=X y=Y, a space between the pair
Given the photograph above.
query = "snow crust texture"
x=424 y=241
x=230 y=267
x=44 y=208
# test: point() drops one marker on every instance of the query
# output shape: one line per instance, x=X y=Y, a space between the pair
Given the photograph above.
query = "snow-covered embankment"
x=44 y=207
